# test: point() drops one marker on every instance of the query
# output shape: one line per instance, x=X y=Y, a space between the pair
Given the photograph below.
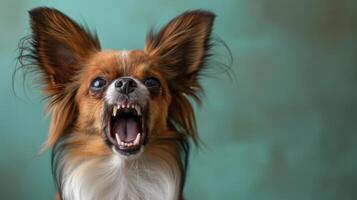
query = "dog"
x=122 y=121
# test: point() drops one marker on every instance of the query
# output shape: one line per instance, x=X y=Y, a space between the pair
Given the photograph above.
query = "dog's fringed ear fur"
x=60 y=45
x=181 y=49
x=58 y=49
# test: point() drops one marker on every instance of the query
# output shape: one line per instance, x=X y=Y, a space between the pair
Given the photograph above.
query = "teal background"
x=283 y=128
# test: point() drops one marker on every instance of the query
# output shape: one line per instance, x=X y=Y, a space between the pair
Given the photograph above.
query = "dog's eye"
x=152 y=83
x=98 y=84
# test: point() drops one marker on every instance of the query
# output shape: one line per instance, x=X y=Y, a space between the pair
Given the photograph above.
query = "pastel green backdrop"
x=283 y=128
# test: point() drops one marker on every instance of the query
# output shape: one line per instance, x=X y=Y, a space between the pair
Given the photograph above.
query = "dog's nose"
x=125 y=85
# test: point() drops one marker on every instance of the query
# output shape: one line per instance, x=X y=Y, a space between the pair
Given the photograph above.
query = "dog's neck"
x=155 y=174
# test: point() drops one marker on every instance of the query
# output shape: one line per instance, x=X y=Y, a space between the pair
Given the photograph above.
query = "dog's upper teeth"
x=115 y=111
x=138 y=110
x=126 y=106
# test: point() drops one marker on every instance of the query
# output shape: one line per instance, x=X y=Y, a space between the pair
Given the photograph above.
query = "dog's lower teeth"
x=136 y=141
x=118 y=138
x=130 y=144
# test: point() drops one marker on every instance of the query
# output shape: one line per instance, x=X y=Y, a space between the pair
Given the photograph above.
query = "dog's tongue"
x=127 y=129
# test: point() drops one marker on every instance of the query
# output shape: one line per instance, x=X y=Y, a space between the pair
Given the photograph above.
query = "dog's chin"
x=126 y=128
x=126 y=155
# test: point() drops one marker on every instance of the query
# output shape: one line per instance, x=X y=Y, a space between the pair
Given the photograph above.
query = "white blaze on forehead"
x=124 y=54
x=123 y=57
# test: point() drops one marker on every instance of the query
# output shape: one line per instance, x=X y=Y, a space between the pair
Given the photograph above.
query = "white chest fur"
x=147 y=177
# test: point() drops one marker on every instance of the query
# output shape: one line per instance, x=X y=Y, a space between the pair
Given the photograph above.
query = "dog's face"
x=124 y=96
x=120 y=99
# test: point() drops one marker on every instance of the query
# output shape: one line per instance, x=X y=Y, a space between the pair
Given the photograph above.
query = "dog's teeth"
x=121 y=143
x=136 y=141
x=118 y=138
x=115 y=111
x=137 y=108
x=132 y=105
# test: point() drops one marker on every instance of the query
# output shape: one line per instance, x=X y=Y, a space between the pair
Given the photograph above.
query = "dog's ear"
x=180 y=50
x=181 y=47
x=60 y=46
x=58 y=49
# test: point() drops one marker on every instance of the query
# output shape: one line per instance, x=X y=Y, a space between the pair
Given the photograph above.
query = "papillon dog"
x=121 y=121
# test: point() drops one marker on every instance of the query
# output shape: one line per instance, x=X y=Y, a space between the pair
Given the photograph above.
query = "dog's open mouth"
x=126 y=128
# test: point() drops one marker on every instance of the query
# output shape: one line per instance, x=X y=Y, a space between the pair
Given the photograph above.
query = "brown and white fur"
x=121 y=120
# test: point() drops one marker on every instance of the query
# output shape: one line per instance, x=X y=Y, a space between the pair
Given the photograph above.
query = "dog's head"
x=124 y=99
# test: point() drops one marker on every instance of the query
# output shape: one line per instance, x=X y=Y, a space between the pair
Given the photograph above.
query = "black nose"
x=125 y=85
